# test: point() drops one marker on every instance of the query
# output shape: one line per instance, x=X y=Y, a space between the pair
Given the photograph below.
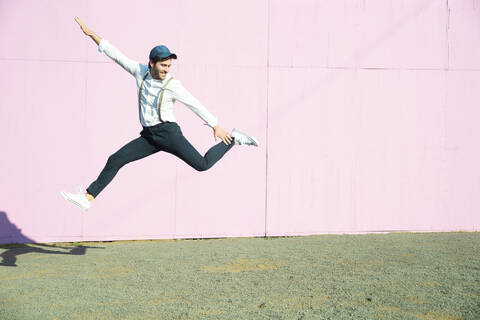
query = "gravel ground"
x=381 y=276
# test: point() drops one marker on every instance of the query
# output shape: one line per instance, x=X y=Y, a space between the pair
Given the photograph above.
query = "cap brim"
x=170 y=56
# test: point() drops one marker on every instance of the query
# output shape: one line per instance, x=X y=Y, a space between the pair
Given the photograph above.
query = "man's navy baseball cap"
x=162 y=52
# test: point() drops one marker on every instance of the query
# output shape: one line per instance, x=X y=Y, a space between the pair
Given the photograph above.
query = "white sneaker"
x=243 y=138
x=78 y=199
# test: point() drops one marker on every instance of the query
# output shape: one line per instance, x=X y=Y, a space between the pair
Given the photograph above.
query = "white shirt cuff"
x=213 y=123
x=101 y=46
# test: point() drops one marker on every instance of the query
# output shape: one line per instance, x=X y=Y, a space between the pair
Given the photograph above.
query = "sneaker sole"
x=73 y=201
x=256 y=143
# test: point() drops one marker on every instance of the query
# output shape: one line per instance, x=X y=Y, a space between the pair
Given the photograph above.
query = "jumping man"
x=157 y=92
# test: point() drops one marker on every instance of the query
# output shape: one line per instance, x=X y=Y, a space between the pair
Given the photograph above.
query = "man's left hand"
x=222 y=134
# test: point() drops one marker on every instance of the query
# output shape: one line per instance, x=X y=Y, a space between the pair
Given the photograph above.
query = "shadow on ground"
x=21 y=244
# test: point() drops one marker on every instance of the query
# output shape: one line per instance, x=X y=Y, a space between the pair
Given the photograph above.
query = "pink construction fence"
x=367 y=112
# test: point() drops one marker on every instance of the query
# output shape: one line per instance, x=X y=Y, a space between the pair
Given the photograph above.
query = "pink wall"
x=367 y=112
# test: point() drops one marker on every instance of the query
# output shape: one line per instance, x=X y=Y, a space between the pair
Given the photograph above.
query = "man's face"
x=160 y=69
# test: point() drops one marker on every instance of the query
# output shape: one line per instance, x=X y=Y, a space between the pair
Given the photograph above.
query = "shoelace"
x=244 y=139
x=239 y=137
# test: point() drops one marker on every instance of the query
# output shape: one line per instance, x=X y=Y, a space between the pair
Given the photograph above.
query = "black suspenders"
x=160 y=98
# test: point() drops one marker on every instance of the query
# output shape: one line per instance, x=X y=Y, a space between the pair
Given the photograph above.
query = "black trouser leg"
x=134 y=150
x=169 y=137
x=162 y=137
x=181 y=147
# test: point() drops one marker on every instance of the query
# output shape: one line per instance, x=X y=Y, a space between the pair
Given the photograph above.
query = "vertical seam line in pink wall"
x=447 y=35
x=266 y=130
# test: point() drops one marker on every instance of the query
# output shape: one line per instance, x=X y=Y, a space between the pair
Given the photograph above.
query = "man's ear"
x=150 y=64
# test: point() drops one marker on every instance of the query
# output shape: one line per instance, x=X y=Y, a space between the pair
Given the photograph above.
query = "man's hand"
x=222 y=134
x=83 y=27
x=87 y=31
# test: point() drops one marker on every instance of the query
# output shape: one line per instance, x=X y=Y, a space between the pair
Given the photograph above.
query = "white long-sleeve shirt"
x=151 y=91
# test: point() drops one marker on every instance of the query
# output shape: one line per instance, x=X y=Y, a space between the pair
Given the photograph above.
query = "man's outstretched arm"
x=88 y=32
x=112 y=52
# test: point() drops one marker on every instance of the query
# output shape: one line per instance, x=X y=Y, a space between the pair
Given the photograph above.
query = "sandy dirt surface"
x=382 y=276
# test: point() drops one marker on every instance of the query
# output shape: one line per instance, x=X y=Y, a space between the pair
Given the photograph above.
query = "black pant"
x=166 y=137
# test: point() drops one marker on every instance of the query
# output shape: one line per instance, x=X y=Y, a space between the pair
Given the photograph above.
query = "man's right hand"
x=87 y=31
x=83 y=27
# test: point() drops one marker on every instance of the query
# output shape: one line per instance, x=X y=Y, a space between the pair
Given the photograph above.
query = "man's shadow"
x=21 y=244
